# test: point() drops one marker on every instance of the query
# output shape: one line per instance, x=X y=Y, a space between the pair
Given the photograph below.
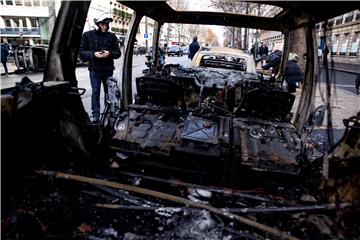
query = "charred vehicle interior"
x=211 y=151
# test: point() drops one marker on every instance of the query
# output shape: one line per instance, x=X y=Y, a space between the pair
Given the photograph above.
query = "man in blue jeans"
x=99 y=47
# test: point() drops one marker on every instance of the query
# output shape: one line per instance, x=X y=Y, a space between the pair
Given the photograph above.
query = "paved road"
x=342 y=80
x=82 y=75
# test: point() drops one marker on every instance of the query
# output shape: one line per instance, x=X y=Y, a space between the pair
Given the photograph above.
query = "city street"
x=343 y=80
x=82 y=75
x=346 y=102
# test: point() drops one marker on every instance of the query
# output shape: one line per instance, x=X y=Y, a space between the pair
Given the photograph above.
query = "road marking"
x=345 y=85
x=351 y=93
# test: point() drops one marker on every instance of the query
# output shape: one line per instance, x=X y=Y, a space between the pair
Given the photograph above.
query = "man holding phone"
x=99 y=47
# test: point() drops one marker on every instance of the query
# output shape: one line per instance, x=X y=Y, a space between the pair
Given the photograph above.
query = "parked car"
x=185 y=50
x=227 y=58
x=175 y=50
x=30 y=57
x=194 y=145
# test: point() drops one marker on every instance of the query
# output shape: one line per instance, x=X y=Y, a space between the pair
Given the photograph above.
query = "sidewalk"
x=344 y=67
x=11 y=68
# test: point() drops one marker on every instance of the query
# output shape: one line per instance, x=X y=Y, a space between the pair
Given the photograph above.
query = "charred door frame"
x=65 y=41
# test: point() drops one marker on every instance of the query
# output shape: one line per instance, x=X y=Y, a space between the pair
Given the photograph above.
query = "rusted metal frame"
x=225 y=191
x=319 y=207
x=155 y=43
x=306 y=102
x=127 y=57
x=168 y=197
x=61 y=59
x=286 y=50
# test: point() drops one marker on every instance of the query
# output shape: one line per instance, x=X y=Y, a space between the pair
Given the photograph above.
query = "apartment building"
x=342 y=36
x=27 y=20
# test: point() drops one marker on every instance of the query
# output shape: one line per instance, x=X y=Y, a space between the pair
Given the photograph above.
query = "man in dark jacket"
x=263 y=51
x=100 y=48
x=273 y=62
x=293 y=75
x=4 y=54
x=193 y=48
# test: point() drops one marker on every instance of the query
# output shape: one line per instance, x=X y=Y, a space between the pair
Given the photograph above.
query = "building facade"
x=24 y=21
x=342 y=37
x=122 y=16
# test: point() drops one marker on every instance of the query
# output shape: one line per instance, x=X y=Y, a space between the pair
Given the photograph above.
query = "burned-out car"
x=211 y=151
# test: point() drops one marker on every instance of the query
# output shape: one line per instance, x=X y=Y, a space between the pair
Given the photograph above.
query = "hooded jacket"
x=95 y=40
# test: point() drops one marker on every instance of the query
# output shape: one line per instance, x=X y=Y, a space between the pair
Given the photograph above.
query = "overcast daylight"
x=180 y=119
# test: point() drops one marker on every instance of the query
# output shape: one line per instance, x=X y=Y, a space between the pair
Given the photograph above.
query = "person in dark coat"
x=263 y=51
x=193 y=48
x=5 y=47
x=100 y=48
x=273 y=62
x=293 y=75
x=357 y=83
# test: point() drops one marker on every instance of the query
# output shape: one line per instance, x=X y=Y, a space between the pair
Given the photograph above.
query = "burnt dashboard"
x=205 y=113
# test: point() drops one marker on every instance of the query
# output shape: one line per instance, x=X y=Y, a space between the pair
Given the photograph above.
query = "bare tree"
x=193 y=30
x=239 y=7
x=179 y=6
x=211 y=38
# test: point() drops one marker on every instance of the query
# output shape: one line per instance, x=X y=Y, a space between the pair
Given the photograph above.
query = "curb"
x=342 y=70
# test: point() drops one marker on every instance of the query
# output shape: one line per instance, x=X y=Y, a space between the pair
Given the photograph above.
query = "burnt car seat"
x=271 y=104
x=159 y=91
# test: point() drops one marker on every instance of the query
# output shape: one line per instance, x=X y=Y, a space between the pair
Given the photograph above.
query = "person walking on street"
x=320 y=54
x=193 y=48
x=263 y=51
x=357 y=83
x=293 y=75
x=100 y=47
x=5 y=47
x=273 y=62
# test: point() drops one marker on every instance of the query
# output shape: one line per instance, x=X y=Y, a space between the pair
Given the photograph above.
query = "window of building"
x=36 y=3
x=44 y=3
x=27 y=2
x=16 y=22
x=330 y=23
x=23 y=24
x=338 y=21
x=2 y=2
x=354 y=44
x=348 y=18
x=33 y=22
x=335 y=44
x=18 y=2
x=7 y=23
x=344 y=43
x=9 y=2
x=357 y=16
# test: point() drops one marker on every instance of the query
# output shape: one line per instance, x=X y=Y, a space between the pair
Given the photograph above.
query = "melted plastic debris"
x=316 y=146
x=167 y=212
x=196 y=225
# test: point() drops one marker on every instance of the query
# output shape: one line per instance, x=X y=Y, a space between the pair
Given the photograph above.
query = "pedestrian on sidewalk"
x=263 y=52
x=293 y=75
x=193 y=48
x=320 y=54
x=357 y=83
x=100 y=47
x=5 y=47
